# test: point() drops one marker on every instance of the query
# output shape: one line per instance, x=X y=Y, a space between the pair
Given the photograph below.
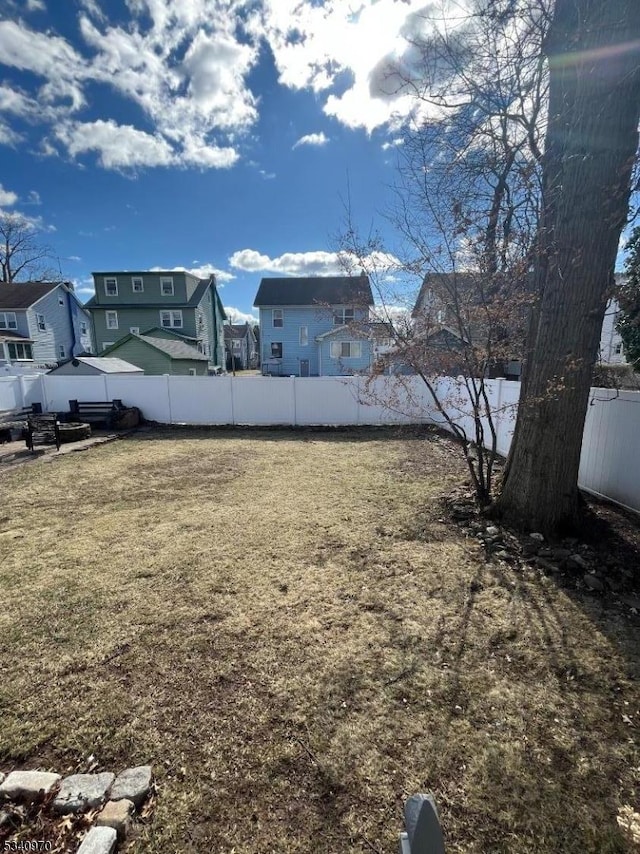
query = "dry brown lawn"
x=290 y=629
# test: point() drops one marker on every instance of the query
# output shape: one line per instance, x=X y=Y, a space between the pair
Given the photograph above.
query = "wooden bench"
x=16 y=419
x=43 y=429
x=95 y=411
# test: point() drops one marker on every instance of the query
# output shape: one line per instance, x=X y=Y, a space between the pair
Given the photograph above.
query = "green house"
x=172 y=301
x=160 y=351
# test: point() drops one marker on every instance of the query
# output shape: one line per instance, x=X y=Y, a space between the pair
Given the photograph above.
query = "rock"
x=6 y=819
x=82 y=792
x=530 y=549
x=631 y=602
x=133 y=784
x=547 y=565
x=28 y=785
x=560 y=554
x=503 y=555
x=99 y=840
x=545 y=552
x=492 y=531
x=116 y=814
x=593 y=582
x=537 y=537
x=577 y=561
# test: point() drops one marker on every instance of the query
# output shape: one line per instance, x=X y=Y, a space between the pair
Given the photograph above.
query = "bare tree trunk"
x=591 y=145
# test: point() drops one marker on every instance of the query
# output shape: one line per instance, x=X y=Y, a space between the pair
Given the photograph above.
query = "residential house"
x=241 y=346
x=133 y=303
x=315 y=326
x=95 y=366
x=434 y=315
x=41 y=324
x=161 y=351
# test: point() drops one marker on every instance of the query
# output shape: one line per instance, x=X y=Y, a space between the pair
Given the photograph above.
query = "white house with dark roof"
x=95 y=366
x=315 y=326
x=41 y=324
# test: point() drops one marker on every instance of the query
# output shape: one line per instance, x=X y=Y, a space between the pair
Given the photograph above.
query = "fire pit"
x=74 y=431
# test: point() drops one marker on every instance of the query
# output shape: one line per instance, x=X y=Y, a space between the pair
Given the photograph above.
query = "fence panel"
x=201 y=400
x=323 y=401
x=10 y=394
x=59 y=390
x=263 y=401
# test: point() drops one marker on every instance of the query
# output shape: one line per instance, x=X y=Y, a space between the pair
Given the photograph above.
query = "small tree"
x=22 y=254
x=628 y=296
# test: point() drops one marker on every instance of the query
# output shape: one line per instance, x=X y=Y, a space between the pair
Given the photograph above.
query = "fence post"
x=423 y=832
x=497 y=419
x=295 y=406
x=23 y=397
x=233 y=408
x=168 y=376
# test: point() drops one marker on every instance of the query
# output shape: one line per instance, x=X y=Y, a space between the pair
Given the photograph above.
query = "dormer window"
x=111 y=287
x=166 y=286
x=342 y=316
x=137 y=285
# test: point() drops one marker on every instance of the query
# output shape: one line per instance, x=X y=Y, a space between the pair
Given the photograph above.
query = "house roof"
x=315 y=290
x=5 y=335
x=108 y=364
x=22 y=295
x=360 y=333
x=236 y=330
x=175 y=349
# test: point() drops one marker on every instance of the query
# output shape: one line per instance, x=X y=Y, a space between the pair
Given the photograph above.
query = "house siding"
x=332 y=367
x=318 y=320
x=143 y=310
x=59 y=329
x=154 y=362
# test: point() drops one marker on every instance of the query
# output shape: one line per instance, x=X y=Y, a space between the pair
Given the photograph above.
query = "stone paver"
x=27 y=785
x=82 y=791
x=116 y=814
x=133 y=784
x=99 y=840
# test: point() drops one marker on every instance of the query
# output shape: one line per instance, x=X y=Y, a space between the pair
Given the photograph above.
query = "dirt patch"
x=292 y=631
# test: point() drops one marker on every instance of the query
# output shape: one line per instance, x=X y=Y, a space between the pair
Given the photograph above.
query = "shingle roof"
x=315 y=290
x=108 y=364
x=23 y=294
x=236 y=330
x=174 y=349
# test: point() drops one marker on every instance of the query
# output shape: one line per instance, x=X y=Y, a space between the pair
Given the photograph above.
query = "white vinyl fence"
x=610 y=462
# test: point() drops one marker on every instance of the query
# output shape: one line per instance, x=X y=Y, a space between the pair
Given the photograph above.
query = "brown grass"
x=288 y=627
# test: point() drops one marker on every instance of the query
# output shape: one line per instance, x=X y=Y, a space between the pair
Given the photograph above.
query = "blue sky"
x=216 y=135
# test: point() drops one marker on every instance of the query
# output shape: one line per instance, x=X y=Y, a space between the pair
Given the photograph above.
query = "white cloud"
x=202 y=271
x=237 y=316
x=7 y=197
x=33 y=198
x=74 y=258
x=35 y=6
x=312 y=139
x=392 y=143
x=318 y=263
x=117 y=146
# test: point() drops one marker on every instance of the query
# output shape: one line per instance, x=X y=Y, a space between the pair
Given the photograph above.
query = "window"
x=166 y=286
x=106 y=344
x=41 y=323
x=192 y=372
x=235 y=344
x=8 y=320
x=276 y=350
x=112 y=320
x=278 y=318
x=111 y=287
x=60 y=301
x=200 y=320
x=83 y=327
x=134 y=330
x=441 y=316
x=137 y=285
x=171 y=319
x=346 y=349
x=20 y=352
x=62 y=353
x=304 y=336
x=618 y=348
x=342 y=315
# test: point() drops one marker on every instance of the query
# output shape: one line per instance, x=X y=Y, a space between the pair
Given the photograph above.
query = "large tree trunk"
x=592 y=139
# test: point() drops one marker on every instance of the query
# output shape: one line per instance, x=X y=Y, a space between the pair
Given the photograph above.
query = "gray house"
x=241 y=345
x=95 y=366
x=42 y=324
